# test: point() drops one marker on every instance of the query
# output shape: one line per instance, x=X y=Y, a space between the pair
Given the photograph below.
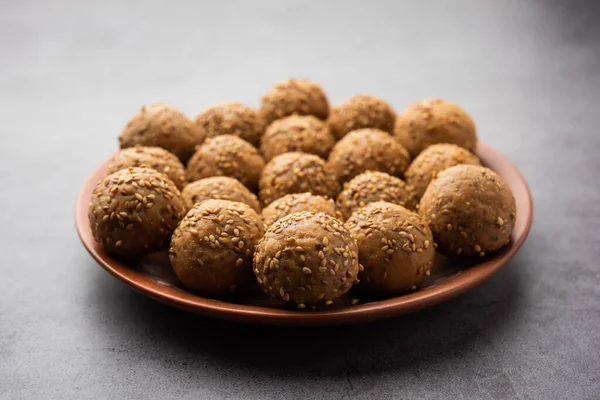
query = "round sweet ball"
x=372 y=186
x=367 y=150
x=395 y=247
x=163 y=126
x=295 y=96
x=134 y=211
x=296 y=173
x=307 y=259
x=231 y=118
x=212 y=248
x=226 y=155
x=434 y=121
x=149 y=157
x=359 y=112
x=470 y=210
x=432 y=161
x=218 y=187
x=291 y=203
x=303 y=133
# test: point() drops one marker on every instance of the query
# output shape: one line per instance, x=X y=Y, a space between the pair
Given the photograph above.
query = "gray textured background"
x=72 y=73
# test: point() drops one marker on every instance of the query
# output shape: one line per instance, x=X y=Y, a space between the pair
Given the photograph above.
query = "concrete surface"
x=71 y=74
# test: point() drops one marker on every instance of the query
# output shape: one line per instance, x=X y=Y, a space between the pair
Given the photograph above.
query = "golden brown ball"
x=307 y=259
x=226 y=155
x=212 y=248
x=372 y=186
x=359 y=112
x=150 y=157
x=218 y=187
x=395 y=247
x=434 y=121
x=231 y=118
x=296 y=202
x=367 y=150
x=134 y=211
x=296 y=173
x=432 y=161
x=163 y=126
x=295 y=96
x=470 y=210
x=303 y=133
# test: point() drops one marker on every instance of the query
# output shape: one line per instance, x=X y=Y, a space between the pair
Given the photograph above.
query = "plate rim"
x=362 y=312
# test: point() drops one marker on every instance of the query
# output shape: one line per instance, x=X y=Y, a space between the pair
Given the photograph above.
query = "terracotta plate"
x=153 y=277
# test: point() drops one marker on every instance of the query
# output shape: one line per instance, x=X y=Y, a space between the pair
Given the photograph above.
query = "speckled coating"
x=231 y=118
x=367 y=150
x=218 y=187
x=303 y=133
x=432 y=161
x=163 y=126
x=226 y=155
x=296 y=173
x=149 y=157
x=470 y=210
x=372 y=186
x=295 y=96
x=307 y=259
x=134 y=211
x=395 y=247
x=297 y=202
x=434 y=121
x=359 y=112
x=212 y=248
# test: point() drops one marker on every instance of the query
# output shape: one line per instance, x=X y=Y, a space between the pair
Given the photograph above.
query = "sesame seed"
x=239 y=262
x=306 y=270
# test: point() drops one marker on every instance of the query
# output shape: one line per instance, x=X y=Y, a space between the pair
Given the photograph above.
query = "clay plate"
x=153 y=277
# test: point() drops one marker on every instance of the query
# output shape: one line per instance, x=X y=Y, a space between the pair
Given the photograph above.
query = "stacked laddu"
x=303 y=200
